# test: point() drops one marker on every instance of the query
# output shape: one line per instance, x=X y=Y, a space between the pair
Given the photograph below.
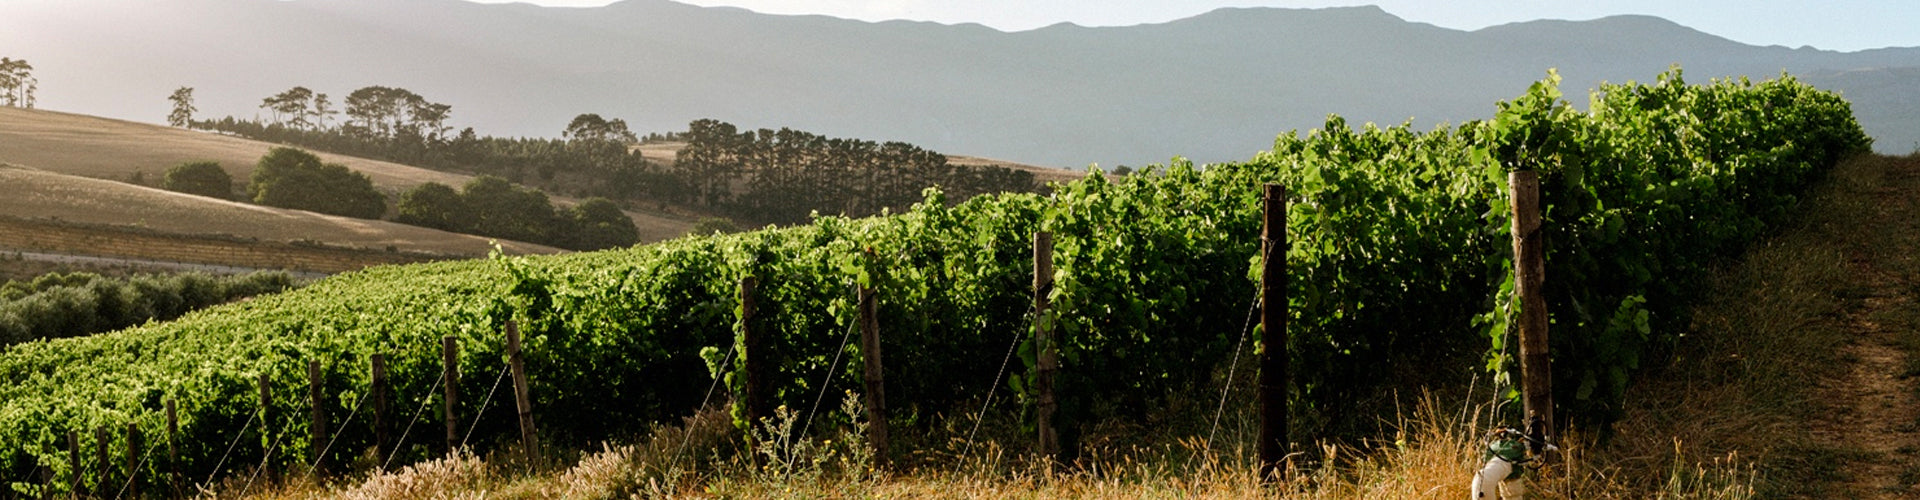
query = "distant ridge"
x=1213 y=87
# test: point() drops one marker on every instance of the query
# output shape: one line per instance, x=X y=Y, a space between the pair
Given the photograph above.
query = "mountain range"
x=1214 y=87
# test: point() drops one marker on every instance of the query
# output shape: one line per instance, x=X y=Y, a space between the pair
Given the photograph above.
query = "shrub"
x=204 y=178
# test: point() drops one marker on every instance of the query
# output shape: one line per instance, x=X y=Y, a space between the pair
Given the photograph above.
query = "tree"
x=389 y=112
x=204 y=178
x=597 y=224
x=182 y=115
x=296 y=103
x=591 y=127
x=17 y=83
x=502 y=210
x=322 y=110
x=296 y=179
x=437 y=206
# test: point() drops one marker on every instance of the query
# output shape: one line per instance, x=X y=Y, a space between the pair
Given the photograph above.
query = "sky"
x=1845 y=25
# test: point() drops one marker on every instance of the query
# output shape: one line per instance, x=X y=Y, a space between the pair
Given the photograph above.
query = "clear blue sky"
x=1834 y=24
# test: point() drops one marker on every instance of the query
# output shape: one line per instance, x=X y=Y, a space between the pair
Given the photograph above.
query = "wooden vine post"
x=1274 y=383
x=1048 y=352
x=266 y=441
x=46 y=471
x=1530 y=271
x=380 y=409
x=521 y=397
x=73 y=457
x=450 y=379
x=173 y=448
x=101 y=437
x=755 y=357
x=876 y=375
x=133 y=461
x=317 y=401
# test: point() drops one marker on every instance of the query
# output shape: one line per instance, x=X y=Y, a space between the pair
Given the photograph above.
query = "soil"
x=1873 y=406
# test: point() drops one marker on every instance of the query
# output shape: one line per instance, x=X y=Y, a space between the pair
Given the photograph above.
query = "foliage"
x=292 y=178
x=790 y=174
x=591 y=127
x=204 y=178
x=17 y=83
x=182 y=114
x=1397 y=275
x=75 y=304
x=434 y=205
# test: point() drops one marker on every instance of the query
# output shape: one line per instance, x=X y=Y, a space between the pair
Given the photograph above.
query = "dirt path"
x=1873 y=406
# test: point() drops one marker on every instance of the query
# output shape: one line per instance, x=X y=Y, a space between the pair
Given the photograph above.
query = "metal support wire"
x=1011 y=346
x=416 y=419
x=336 y=436
x=482 y=411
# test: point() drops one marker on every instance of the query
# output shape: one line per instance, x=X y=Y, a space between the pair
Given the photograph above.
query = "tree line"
x=292 y=178
x=762 y=176
x=783 y=176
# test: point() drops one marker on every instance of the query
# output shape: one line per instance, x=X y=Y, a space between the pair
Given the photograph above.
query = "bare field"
x=37 y=194
x=103 y=148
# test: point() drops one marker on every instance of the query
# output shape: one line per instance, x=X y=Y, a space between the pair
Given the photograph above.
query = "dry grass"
x=103 y=148
x=46 y=195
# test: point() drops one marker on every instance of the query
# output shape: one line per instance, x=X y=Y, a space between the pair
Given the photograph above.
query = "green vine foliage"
x=1398 y=267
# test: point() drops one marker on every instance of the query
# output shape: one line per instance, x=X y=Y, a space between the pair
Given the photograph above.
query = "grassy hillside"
x=88 y=146
x=40 y=194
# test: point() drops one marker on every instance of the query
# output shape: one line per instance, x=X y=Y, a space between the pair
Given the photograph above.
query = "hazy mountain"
x=1213 y=87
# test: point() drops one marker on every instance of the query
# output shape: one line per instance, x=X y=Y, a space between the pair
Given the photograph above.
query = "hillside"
x=46 y=195
x=1214 y=87
x=87 y=146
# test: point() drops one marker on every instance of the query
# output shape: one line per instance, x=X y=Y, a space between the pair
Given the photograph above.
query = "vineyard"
x=1398 y=270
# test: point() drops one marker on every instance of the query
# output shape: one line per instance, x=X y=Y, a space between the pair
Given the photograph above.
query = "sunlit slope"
x=37 y=194
x=90 y=146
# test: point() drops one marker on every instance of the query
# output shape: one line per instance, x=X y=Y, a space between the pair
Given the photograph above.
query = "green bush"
x=296 y=179
x=204 y=178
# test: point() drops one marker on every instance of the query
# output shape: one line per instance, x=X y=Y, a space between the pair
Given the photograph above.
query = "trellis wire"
x=135 y=473
x=264 y=460
x=336 y=436
x=1011 y=346
x=482 y=411
x=416 y=419
x=229 y=453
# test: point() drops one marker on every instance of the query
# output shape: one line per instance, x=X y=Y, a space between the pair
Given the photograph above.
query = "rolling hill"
x=100 y=148
x=1213 y=87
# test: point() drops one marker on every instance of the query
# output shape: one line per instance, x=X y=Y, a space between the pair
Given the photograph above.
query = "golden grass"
x=103 y=148
x=39 y=194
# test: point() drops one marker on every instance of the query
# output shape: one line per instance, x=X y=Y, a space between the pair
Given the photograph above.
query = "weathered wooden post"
x=101 y=438
x=173 y=448
x=1530 y=273
x=450 y=378
x=73 y=457
x=317 y=401
x=46 y=471
x=876 y=381
x=266 y=433
x=1047 y=360
x=522 y=398
x=754 y=349
x=133 y=461
x=380 y=410
x=1274 y=383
